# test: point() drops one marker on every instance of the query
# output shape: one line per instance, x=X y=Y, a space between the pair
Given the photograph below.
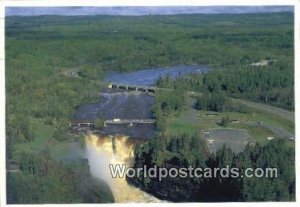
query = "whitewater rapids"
x=103 y=151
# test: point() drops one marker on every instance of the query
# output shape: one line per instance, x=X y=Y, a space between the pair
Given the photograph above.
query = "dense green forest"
x=271 y=84
x=189 y=151
x=55 y=63
x=43 y=180
x=167 y=103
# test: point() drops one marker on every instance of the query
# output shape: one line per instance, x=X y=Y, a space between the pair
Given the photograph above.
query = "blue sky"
x=34 y=11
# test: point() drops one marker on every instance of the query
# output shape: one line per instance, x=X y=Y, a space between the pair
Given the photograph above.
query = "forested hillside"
x=188 y=151
x=55 y=63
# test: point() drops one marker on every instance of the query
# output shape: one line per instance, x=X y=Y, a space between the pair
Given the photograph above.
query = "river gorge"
x=115 y=143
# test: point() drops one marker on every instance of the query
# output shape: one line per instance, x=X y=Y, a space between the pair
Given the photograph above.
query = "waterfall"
x=103 y=151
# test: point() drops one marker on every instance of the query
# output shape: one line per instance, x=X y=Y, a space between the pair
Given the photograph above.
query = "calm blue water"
x=149 y=76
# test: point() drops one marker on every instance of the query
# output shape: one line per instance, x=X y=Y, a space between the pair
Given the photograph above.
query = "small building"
x=235 y=121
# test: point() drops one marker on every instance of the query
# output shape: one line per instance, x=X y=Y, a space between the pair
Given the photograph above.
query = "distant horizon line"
x=143 y=10
x=142 y=15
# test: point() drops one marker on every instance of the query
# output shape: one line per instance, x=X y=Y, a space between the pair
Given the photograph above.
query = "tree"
x=215 y=101
x=99 y=123
x=18 y=129
x=224 y=121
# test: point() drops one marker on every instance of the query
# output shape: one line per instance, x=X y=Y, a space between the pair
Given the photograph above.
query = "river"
x=148 y=77
x=113 y=104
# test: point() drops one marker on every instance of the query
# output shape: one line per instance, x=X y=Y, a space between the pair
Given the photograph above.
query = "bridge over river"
x=130 y=122
x=150 y=90
x=139 y=88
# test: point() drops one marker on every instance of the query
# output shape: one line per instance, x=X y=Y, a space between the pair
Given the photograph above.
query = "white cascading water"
x=101 y=152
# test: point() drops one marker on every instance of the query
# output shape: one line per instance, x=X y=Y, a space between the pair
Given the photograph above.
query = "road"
x=282 y=113
x=280 y=132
